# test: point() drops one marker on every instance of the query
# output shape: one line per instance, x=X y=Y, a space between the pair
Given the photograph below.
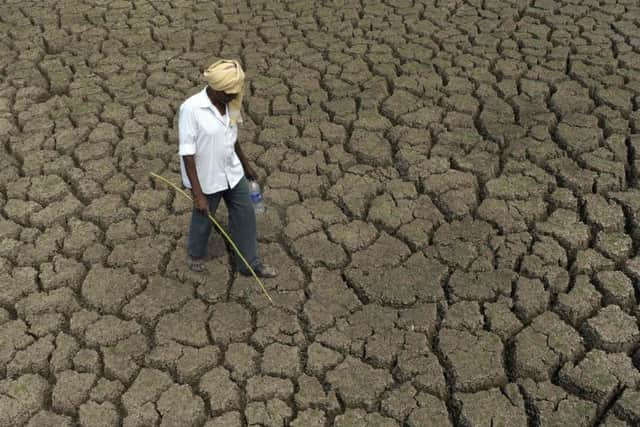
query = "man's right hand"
x=201 y=204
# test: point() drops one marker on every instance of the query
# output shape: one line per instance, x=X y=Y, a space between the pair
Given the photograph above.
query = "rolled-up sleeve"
x=186 y=132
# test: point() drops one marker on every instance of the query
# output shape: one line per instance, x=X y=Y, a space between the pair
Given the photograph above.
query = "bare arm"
x=248 y=170
x=199 y=199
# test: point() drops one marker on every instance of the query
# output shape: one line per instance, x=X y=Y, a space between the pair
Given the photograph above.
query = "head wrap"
x=227 y=76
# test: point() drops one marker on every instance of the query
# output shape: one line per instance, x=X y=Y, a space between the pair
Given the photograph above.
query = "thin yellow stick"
x=224 y=233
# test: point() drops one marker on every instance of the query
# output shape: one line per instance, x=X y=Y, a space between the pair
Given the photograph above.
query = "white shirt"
x=208 y=136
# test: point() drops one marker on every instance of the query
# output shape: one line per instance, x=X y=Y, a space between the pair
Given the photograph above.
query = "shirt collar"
x=203 y=101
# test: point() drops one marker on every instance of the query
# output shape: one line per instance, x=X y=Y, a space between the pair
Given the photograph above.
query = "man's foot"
x=196 y=264
x=263 y=271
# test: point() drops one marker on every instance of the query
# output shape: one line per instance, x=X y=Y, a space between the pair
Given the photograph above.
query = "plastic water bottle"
x=256 y=197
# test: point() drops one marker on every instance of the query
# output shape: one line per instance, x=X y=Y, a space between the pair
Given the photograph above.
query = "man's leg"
x=242 y=224
x=199 y=232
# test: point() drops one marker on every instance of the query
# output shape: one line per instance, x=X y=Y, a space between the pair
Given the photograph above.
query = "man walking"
x=213 y=166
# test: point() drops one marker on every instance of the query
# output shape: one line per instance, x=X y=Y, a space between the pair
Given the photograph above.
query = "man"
x=213 y=166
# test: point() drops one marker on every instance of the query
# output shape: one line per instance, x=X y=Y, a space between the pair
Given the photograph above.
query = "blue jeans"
x=242 y=225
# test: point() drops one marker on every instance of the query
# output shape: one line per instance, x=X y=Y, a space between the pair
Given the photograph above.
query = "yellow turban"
x=226 y=75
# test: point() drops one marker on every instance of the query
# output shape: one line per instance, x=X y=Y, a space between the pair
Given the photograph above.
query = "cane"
x=224 y=233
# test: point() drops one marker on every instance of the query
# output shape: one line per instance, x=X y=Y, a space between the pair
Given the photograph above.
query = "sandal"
x=196 y=265
x=262 y=271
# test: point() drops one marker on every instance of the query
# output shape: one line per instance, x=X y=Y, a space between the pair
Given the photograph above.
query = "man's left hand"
x=250 y=173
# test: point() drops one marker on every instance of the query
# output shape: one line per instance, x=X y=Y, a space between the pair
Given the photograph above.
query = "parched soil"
x=453 y=206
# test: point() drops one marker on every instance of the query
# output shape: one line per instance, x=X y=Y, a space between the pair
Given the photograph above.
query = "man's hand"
x=250 y=173
x=248 y=170
x=201 y=204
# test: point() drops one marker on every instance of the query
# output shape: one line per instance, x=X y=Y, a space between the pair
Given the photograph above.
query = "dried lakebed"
x=453 y=206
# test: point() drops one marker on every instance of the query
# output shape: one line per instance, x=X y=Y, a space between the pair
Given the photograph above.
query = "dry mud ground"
x=453 y=207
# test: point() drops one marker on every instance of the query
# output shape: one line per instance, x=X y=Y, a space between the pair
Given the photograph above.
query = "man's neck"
x=222 y=108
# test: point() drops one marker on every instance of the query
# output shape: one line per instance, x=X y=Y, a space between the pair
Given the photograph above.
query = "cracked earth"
x=453 y=205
